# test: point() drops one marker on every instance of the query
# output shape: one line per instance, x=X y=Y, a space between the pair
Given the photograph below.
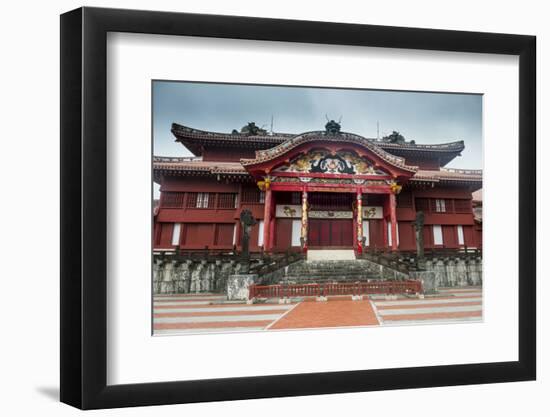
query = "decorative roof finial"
x=332 y=127
x=250 y=129
x=394 y=137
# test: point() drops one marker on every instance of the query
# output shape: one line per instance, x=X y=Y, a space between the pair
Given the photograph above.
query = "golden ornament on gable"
x=322 y=161
x=264 y=184
x=395 y=188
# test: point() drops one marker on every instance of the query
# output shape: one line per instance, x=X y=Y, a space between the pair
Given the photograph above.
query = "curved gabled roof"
x=444 y=152
x=456 y=146
x=292 y=143
x=196 y=139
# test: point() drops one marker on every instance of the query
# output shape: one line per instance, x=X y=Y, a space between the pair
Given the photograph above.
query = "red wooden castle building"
x=320 y=189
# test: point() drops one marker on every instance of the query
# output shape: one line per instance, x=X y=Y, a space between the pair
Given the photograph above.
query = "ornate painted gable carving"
x=324 y=162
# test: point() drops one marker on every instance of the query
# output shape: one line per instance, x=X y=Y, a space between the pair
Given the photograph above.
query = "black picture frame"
x=84 y=207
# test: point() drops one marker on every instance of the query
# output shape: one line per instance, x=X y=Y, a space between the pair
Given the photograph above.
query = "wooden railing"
x=335 y=288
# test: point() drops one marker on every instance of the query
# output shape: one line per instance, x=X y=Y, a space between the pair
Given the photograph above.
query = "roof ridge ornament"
x=395 y=137
x=332 y=127
x=250 y=129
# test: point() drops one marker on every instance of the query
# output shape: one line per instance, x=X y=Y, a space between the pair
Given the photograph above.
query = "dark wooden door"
x=330 y=233
x=376 y=234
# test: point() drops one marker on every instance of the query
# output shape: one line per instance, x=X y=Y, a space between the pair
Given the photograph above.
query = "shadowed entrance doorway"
x=333 y=228
x=331 y=233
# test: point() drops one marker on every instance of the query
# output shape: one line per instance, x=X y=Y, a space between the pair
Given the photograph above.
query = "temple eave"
x=191 y=137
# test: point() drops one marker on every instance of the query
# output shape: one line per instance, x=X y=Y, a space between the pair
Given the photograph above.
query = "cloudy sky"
x=424 y=117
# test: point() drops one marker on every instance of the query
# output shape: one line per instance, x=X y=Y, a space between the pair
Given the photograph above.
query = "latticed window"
x=422 y=204
x=172 y=200
x=403 y=200
x=227 y=200
x=191 y=200
x=330 y=201
x=200 y=200
x=252 y=196
x=463 y=206
x=440 y=206
x=203 y=200
x=296 y=198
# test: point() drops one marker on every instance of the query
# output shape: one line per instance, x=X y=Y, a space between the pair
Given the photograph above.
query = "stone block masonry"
x=237 y=286
x=456 y=271
x=176 y=277
x=172 y=276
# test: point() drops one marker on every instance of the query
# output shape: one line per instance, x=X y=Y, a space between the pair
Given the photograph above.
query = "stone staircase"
x=322 y=271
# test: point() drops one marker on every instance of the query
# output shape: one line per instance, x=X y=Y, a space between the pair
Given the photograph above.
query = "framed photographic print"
x=257 y=208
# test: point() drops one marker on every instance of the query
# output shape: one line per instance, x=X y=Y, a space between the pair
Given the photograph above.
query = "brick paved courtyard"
x=200 y=313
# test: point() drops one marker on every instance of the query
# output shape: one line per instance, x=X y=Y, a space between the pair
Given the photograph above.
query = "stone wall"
x=456 y=272
x=172 y=276
x=238 y=286
x=386 y=272
x=181 y=277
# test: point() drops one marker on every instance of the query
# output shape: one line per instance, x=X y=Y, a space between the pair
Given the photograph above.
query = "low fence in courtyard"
x=335 y=288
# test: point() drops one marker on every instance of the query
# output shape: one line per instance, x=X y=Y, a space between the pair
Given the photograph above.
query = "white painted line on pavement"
x=451 y=320
x=213 y=309
x=210 y=319
x=171 y=332
x=426 y=301
x=282 y=315
x=183 y=303
x=430 y=310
